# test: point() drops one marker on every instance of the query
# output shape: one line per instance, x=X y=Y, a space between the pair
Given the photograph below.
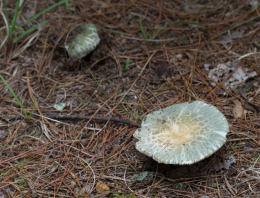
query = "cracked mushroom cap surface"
x=182 y=133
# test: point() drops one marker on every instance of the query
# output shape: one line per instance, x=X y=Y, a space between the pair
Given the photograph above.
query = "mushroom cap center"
x=176 y=133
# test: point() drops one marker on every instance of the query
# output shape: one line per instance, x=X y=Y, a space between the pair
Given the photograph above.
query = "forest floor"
x=152 y=54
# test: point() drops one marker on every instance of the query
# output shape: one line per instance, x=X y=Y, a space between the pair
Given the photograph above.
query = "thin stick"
x=76 y=117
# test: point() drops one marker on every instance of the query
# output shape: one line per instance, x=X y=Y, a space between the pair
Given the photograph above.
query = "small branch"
x=77 y=117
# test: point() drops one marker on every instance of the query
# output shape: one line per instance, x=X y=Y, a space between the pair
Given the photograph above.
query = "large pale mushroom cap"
x=182 y=133
x=84 y=40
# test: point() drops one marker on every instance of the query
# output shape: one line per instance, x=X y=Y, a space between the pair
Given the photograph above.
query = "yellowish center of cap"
x=178 y=133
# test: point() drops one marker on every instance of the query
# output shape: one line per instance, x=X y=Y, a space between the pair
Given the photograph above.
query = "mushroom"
x=84 y=39
x=182 y=133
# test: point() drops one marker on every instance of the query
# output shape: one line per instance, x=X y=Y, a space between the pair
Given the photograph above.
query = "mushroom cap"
x=182 y=133
x=84 y=40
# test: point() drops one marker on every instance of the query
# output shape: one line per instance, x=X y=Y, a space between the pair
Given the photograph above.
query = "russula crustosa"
x=182 y=133
x=84 y=39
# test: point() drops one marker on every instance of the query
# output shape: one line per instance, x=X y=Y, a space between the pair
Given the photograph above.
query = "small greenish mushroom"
x=182 y=133
x=84 y=39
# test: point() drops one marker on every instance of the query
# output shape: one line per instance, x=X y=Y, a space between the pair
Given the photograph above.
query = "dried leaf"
x=226 y=164
x=102 y=188
x=238 y=110
x=3 y=134
x=237 y=79
x=59 y=106
x=143 y=177
x=229 y=161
